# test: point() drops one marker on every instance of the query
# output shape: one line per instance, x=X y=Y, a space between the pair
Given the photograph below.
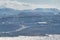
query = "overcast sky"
x=55 y=3
x=41 y=2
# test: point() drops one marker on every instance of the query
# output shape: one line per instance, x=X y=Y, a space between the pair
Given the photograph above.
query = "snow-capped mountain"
x=40 y=11
x=5 y=12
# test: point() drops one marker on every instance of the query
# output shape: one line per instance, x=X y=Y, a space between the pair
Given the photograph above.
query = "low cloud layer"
x=21 y=5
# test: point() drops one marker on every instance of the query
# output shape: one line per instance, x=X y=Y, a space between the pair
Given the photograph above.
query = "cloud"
x=7 y=0
x=14 y=5
x=21 y=5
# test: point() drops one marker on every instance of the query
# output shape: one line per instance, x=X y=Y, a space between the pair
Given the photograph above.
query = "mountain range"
x=29 y=22
x=5 y=12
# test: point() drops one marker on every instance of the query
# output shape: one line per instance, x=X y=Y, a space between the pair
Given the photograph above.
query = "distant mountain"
x=51 y=10
x=47 y=9
x=5 y=12
x=40 y=11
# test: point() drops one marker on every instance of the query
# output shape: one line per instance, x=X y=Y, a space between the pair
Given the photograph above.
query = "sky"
x=41 y=2
x=54 y=2
x=31 y=3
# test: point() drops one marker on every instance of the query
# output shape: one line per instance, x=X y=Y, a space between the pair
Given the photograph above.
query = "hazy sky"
x=42 y=3
x=50 y=2
x=55 y=2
